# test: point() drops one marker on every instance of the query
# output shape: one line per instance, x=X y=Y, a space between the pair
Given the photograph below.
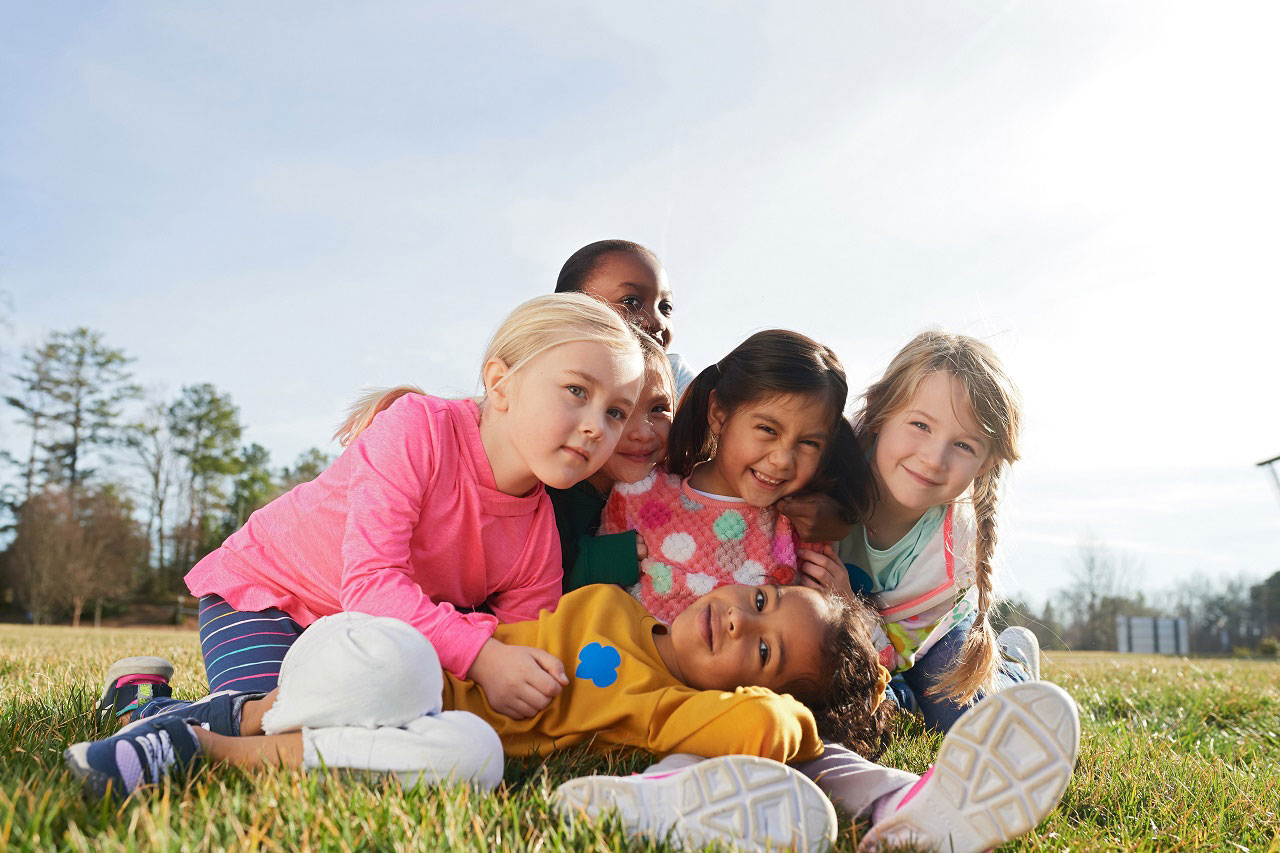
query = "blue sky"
x=297 y=200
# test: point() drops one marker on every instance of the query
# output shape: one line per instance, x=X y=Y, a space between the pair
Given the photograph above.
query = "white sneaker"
x=1001 y=769
x=1024 y=645
x=753 y=803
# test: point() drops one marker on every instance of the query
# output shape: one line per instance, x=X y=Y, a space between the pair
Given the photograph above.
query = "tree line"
x=115 y=492
x=1224 y=613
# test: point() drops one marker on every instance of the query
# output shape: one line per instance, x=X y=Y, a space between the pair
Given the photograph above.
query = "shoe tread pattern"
x=753 y=803
x=1002 y=768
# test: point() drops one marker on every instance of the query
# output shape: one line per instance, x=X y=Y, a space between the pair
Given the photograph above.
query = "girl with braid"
x=939 y=429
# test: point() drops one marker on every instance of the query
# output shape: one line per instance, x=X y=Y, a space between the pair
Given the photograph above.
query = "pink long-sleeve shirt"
x=409 y=523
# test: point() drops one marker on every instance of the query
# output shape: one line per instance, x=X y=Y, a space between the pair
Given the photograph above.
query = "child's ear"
x=716 y=415
x=496 y=391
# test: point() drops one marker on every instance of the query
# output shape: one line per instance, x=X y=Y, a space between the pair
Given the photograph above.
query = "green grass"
x=1176 y=754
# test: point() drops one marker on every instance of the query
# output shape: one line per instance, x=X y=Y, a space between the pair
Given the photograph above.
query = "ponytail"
x=362 y=411
x=975 y=669
x=690 y=440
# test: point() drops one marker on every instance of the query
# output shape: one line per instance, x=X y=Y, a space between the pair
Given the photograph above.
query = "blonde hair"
x=997 y=407
x=530 y=330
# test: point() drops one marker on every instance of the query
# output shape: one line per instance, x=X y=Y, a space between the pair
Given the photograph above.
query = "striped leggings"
x=242 y=649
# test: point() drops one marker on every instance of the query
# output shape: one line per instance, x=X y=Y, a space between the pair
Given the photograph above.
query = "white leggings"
x=365 y=691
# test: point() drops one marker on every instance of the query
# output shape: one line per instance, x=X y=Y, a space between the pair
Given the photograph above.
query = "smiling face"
x=929 y=452
x=644 y=438
x=563 y=412
x=636 y=286
x=741 y=636
x=766 y=449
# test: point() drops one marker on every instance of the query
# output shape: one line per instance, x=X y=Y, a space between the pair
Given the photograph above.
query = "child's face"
x=566 y=409
x=644 y=438
x=636 y=286
x=743 y=636
x=767 y=449
x=929 y=453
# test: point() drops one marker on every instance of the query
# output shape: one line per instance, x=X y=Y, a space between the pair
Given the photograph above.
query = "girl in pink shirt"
x=435 y=508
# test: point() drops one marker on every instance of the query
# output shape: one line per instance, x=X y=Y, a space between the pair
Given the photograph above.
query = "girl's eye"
x=919 y=425
x=666 y=308
x=814 y=443
x=632 y=302
x=965 y=446
x=760 y=600
x=577 y=390
x=617 y=414
x=764 y=653
x=767 y=429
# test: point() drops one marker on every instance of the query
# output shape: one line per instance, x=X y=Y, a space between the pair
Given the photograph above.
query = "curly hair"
x=848 y=706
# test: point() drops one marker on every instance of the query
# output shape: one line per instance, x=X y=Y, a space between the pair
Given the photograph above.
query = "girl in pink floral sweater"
x=765 y=422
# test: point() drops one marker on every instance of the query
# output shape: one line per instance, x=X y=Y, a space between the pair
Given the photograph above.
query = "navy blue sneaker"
x=143 y=754
x=218 y=713
x=131 y=682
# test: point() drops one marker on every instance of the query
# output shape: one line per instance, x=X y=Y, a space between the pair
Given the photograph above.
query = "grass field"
x=1176 y=754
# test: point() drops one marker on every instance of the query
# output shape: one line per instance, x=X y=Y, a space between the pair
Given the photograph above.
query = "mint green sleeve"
x=605 y=559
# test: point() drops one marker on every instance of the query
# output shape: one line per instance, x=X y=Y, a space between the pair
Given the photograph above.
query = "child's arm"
x=392 y=478
x=748 y=721
x=386 y=492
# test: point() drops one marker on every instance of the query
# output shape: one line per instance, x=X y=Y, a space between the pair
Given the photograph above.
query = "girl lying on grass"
x=755 y=670
x=368 y=693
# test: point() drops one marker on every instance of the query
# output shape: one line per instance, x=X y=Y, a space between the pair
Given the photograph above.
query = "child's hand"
x=823 y=570
x=816 y=517
x=518 y=681
x=642 y=550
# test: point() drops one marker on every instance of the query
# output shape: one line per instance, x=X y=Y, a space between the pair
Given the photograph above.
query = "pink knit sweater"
x=409 y=523
x=697 y=543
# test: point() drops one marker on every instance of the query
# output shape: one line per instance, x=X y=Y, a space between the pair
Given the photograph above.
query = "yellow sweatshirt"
x=621 y=694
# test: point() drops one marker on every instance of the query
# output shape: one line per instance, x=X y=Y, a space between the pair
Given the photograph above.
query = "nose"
x=640 y=427
x=933 y=454
x=783 y=459
x=740 y=621
x=655 y=323
x=593 y=423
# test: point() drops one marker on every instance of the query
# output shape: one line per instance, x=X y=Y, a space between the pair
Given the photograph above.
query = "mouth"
x=578 y=452
x=765 y=482
x=638 y=458
x=704 y=627
x=922 y=480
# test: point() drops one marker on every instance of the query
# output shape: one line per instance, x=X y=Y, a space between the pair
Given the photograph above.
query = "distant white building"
x=1150 y=636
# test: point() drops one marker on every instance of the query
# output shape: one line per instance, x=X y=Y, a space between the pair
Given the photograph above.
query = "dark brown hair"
x=769 y=364
x=849 y=707
x=575 y=272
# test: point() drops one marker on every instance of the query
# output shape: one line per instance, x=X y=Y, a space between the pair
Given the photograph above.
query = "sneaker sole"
x=754 y=803
x=1002 y=768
